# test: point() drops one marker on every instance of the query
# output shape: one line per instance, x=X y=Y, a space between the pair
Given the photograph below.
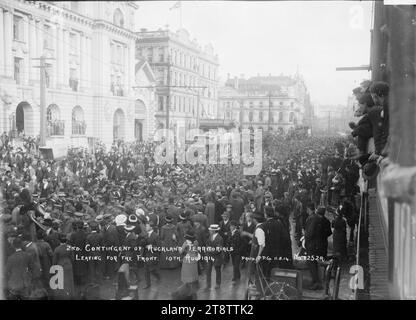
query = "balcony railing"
x=56 y=128
x=79 y=127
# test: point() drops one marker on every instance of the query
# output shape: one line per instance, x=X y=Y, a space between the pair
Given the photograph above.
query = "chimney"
x=235 y=83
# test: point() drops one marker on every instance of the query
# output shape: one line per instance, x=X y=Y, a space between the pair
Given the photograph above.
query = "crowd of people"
x=111 y=216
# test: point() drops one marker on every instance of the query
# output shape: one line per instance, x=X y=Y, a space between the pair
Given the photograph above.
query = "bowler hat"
x=129 y=227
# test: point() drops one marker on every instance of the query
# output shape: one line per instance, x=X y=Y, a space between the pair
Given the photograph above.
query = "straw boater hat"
x=133 y=218
x=139 y=212
x=214 y=227
x=120 y=220
x=129 y=227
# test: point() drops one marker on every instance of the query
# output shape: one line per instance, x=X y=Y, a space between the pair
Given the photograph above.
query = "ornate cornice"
x=114 y=29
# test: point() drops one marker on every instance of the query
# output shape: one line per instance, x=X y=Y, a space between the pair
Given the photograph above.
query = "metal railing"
x=362 y=218
x=79 y=127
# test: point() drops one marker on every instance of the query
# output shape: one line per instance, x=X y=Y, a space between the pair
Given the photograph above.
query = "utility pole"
x=241 y=114
x=42 y=102
x=270 y=107
x=197 y=109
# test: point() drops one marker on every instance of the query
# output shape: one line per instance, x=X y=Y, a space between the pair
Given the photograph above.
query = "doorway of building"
x=118 y=125
x=24 y=119
x=138 y=130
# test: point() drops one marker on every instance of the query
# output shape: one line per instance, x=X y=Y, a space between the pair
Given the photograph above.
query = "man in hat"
x=78 y=240
x=214 y=247
x=201 y=218
x=237 y=205
x=235 y=241
x=52 y=237
x=96 y=262
x=225 y=231
x=317 y=231
x=18 y=272
x=151 y=254
x=259 y=196
x=45 y=256
x=258 y=243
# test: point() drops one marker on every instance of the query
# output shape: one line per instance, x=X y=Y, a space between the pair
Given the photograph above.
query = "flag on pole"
x=177 y=5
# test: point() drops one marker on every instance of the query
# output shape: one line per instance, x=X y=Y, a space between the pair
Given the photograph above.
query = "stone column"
x=65 y=65
x=88 y=61
x=32 y=51
x=26 y=58
x=59 y=57
x=126 y=70
x=8 y=32
x=131 y=66
x=54 y=63
x=83 y=63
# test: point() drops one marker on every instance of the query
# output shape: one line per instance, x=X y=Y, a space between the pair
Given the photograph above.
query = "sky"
x=277 y=37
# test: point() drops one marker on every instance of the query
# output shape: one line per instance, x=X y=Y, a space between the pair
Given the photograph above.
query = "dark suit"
x=317 y=231
x=18 y=276
x=235 y=244
x=215 y=258
x=95 y=267
x=110 y=238
x=52 y=239
x=151 y=265
x=45 y=258
x=78 y=240
x=225 y=234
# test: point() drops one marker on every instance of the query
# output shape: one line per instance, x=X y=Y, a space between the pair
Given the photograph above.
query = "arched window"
x=79 y=126
x=53 y=113
x=118 y=18
x=55 y=126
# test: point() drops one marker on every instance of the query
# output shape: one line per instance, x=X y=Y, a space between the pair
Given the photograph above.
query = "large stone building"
x=189 y=67
x=279 y=103
x=90 y=76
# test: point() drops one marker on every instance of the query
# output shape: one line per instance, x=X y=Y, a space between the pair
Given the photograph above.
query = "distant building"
x=279 y=103
x=89 y=80
x=332 y=119
x=188 y=65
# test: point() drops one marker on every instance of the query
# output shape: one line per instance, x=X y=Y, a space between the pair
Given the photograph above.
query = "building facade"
x=90 y=73
x=278 y=103
x=187 y=76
